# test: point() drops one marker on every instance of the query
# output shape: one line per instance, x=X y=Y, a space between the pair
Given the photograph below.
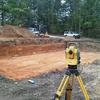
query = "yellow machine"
x=72 y=60
x=71 y=56
x=46 y=33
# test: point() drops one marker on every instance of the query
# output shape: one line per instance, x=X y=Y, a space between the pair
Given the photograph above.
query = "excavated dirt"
x=33 y=65
x=46 y=70
x=28 y=49
x=23 y=57
x=10 y=47
x=9 y=31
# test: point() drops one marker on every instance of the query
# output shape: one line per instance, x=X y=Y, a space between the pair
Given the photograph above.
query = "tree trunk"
x=2 y=13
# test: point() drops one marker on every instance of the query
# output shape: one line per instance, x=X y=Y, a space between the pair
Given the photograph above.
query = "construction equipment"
x=72 y=61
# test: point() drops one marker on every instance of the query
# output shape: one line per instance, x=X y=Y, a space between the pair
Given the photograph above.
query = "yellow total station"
x=72 y=56
x=72 y=60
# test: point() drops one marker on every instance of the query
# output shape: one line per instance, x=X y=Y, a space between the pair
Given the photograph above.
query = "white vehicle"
x=72 y=34
x=34 y=31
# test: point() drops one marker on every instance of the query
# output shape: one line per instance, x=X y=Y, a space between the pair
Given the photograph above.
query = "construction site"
x=49 y=49
x=31 y=68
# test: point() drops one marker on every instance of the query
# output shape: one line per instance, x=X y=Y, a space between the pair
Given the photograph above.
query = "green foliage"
x=75 y=15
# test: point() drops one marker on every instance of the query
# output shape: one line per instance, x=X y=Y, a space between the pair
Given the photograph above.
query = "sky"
x=63 y=1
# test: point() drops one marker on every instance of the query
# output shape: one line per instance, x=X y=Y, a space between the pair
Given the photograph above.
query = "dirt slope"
x=22 y=50
x=10 y=31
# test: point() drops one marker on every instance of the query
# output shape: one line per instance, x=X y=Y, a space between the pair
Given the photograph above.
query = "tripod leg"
x=68 y=92
x=82 y=87
x=61 y=87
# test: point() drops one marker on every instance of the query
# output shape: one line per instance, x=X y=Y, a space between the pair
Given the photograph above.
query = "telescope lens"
x=70 y=52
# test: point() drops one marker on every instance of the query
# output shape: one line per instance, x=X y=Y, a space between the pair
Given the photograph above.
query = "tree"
x=74 y=15
x=2 y=11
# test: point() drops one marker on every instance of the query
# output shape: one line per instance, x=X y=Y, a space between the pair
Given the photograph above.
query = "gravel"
x=45 y=85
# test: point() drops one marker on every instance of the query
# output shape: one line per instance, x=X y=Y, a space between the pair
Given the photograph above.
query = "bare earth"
x=33 y=65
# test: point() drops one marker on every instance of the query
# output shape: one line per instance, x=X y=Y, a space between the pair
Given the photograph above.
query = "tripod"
x=67 y=81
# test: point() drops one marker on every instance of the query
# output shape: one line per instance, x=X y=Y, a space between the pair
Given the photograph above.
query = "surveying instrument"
x=72 y=61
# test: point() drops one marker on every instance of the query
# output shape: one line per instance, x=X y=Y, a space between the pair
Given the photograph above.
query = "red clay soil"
x=32 y=65
x=14 y=31
x=19 y=50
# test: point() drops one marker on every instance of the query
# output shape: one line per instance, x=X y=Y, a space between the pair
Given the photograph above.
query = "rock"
x=31 y=81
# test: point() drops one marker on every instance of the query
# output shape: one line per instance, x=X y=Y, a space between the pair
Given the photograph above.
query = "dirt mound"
x=10 y=31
